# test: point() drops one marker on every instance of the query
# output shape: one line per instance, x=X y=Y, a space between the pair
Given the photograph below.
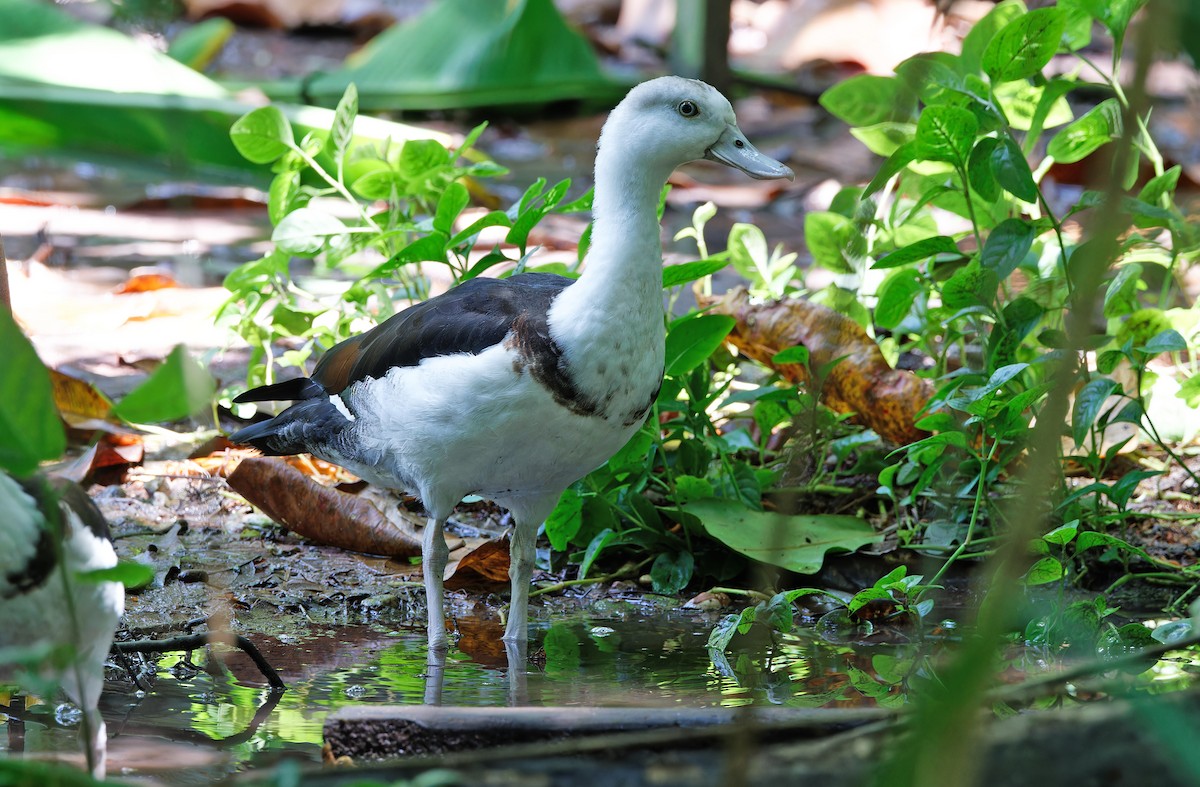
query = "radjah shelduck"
x=513 y=389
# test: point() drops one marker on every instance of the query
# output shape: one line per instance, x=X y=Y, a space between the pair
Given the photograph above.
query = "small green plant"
x=965 y=137
x=370 y=213
x=894 y=598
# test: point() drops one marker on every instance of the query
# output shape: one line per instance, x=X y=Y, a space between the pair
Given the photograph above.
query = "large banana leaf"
x=471 y=53
x=85 y=89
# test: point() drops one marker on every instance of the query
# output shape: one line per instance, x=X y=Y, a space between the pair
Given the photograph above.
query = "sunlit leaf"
x=1024 y=46
x=1046 y=569
x=306 y=231
x=1080 y=138
x=30 y=428
x=675 y=275
x=262 y=135
x=946 y=133
x=896 y=296
x=864 y=99
x=129 y=573
x=179 y=387
x=343 y=124
x=914 y=252
x=797 y=543
x=691 y=341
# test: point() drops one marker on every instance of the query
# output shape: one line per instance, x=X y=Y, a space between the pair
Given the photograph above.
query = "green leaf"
x=179 y=387
x=1079 y=139
x=1063 y=534
x=864 y=99
x=690 y=487
x=1025 y=45
x=1046 y=569
x=980 y=172
x=830 y=238
x=1160 y=186
x=452 y=202
x=1168 y=341
x=797 y=543
x=971 y=285
x=914 y=252
x=982 y=32
x=797 y=354
x=896 y=296
x=936 y=77
x=900 y=158
x=722 y=633
x=884 y=139
x=1088 y=403
x=691 y=341
x=129 y=573
x=1189 y=391
x=379 y=184
x=262 y=135
x=1120 y=298
x=494 y=218
x=595 y=548
x=670 y=573
x=1033 y=107
x=1006 y=247
x=342 y=130
x=30 y=428
x=632 y=456
x=282 y=195
x=305 y=231
x=946 y=133
x=1012 y=170
x=1115 y=15
x=420 y=157
x=675 y=275
x=565 y=520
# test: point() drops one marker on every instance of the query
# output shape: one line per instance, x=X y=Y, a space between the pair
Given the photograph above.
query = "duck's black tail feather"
x=293 y=390
x=301 y=428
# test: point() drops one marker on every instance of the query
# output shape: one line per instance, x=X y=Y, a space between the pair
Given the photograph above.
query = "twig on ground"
x=197 y=641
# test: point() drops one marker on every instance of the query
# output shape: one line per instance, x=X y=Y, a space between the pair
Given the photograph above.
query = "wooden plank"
x=386 y=732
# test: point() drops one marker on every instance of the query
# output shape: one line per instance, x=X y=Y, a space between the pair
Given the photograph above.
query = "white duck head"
x=669 y=121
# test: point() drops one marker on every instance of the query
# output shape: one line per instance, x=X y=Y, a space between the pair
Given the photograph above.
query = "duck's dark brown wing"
x=468 y=319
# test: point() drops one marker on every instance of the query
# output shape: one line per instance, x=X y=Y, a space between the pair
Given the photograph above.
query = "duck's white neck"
x=609 y=324
x=624 y=262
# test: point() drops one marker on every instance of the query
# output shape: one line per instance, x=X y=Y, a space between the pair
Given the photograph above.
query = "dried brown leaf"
x=319 y=513
x=882 y=398
x=481 y=569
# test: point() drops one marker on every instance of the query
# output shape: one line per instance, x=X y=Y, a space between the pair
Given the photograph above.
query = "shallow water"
x=193 y=728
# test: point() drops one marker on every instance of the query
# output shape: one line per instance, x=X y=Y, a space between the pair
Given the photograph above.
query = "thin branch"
x=5 y=296
x=197 y=641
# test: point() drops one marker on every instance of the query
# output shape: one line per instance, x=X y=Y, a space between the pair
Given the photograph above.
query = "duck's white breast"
x=483 y=425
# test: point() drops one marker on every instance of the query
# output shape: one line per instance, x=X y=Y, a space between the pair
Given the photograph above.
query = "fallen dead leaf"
x=882 y=398
x=709 y=601
x=319 y=513
x=145 y=282
x=78 y=400
x=481 y=569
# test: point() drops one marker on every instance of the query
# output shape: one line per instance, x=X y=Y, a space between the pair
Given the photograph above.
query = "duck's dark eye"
x=688 y=109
